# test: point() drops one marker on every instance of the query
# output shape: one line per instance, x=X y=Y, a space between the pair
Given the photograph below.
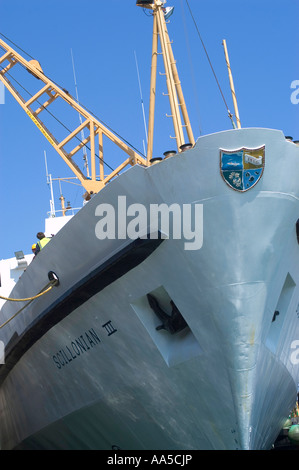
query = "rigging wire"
x=80 y=117
x=191 y=68
x=209 y=60
x=77 y=101
x=147 y=13
x=18 y=47
x=51 y=114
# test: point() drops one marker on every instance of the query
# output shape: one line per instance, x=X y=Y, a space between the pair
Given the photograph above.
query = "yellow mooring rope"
x=29 y=298
x=46 y=289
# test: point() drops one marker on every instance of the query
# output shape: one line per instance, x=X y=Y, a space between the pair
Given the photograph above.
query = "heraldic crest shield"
x=241 y=169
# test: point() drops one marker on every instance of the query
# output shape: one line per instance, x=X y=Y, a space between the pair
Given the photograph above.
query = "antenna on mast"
x=62 y=199
x=141 y=97
x=80 y=118
x=231 y=81
x=50 y=183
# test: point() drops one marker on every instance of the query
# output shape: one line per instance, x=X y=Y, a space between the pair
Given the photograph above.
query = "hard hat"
x=33 y=247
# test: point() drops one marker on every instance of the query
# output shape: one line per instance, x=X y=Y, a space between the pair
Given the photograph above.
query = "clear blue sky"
x=104 y=36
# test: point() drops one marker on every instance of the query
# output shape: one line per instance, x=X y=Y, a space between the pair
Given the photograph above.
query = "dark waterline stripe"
x=114 y=268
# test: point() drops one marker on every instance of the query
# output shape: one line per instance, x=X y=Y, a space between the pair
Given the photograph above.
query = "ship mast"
x=232 y=87
x=176 y=97
x=49 y=92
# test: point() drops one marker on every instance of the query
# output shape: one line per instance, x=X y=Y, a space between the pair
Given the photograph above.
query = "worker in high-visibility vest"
x=43 y=240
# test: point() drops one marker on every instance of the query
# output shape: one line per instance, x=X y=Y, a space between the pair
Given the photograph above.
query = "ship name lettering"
x=109 y=328
x=80 y=345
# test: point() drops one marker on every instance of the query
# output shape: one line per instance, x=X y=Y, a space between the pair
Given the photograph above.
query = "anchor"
x=172 y=323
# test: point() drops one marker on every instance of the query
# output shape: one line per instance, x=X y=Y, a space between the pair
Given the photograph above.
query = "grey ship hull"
x=85 y=365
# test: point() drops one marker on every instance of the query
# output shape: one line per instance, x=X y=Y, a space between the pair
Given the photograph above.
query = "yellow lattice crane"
x=48 y=93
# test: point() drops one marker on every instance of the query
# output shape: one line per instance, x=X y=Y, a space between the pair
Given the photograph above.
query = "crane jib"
x=40 y=127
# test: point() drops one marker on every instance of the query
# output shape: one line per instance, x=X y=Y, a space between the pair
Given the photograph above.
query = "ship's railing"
x=61 y=212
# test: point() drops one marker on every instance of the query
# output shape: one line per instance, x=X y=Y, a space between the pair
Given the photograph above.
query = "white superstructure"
x=10 y=272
